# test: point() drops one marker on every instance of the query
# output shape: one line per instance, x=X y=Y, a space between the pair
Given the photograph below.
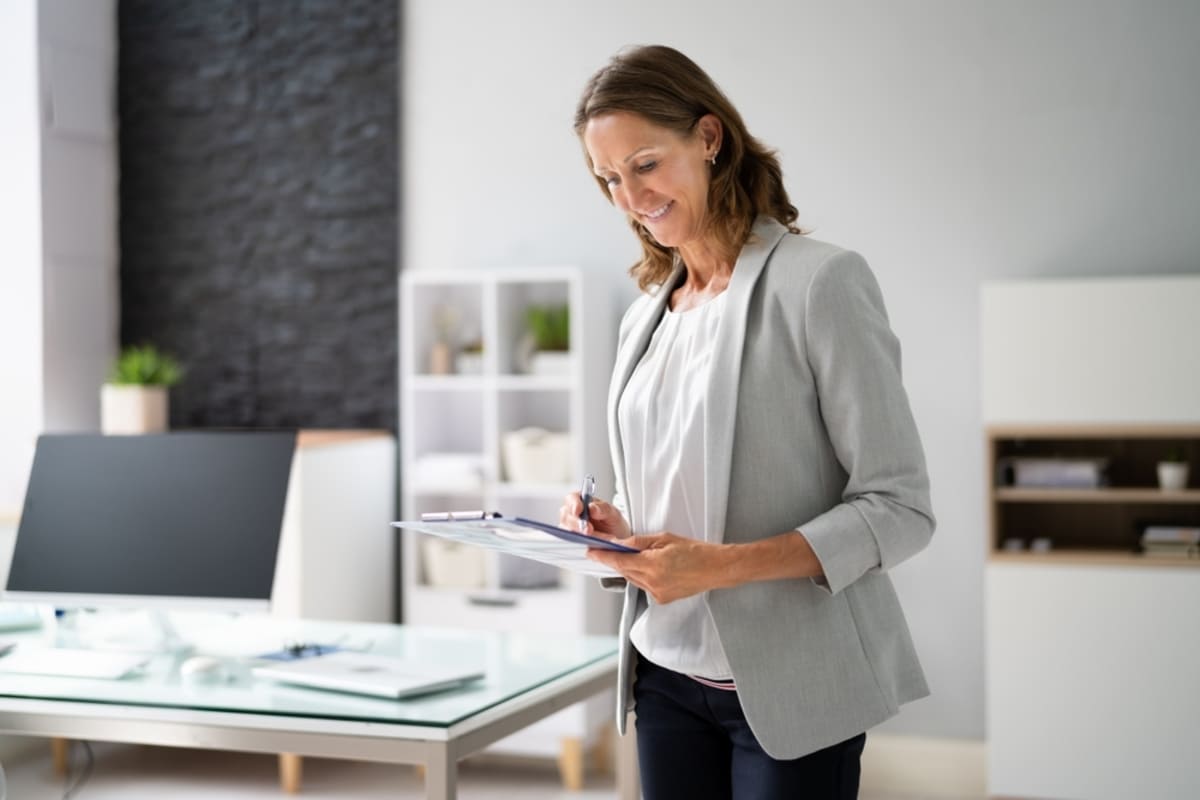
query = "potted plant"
x=547 y=344
x=1173 y=470
x=135 y=398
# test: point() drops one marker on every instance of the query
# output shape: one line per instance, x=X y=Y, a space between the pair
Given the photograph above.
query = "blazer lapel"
x=627 y=359
x=720 y=410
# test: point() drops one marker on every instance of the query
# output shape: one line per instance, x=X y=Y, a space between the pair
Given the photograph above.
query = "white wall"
x=58 y=222
x=77 y=54
x=21 y=256
x=949 y=142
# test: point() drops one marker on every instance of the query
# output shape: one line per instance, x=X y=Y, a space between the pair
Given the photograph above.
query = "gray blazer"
x=809 y=428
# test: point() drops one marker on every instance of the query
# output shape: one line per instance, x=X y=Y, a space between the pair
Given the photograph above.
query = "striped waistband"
x=725 y=685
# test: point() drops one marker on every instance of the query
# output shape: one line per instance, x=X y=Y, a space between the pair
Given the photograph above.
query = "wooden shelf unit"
x=1100 y=525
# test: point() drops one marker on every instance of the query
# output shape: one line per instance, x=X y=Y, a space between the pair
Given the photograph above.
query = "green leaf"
x=550 y=326
x=144 y=365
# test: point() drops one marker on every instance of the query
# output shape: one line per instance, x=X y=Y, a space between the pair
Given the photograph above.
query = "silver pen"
x=585 y=494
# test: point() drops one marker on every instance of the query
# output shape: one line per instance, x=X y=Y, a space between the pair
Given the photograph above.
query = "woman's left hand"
x=669 y=567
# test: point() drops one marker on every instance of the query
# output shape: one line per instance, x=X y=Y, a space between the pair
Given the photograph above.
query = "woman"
x=767 y=464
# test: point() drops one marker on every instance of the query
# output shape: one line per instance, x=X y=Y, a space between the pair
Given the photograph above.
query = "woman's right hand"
x=604 y=519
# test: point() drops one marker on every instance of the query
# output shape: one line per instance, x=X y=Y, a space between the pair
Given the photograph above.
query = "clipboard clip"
x=458 y=516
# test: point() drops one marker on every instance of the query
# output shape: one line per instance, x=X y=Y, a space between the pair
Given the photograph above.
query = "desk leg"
x=570 y=763
x=291 y=769
x=60 y=754
x=441 y=773
x=629 y=783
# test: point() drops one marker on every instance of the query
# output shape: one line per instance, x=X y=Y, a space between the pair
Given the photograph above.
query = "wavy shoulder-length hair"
x=667 y=88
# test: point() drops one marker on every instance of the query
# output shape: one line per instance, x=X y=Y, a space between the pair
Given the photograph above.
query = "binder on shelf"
x=519 y=536
x=1053 y=473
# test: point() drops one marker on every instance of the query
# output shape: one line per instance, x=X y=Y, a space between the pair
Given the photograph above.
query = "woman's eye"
x=648 y=166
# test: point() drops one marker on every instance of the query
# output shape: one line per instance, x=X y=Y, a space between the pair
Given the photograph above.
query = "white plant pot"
x=535 y=455
x=468 y=363
x=550 y=362
x=133 y=409
x=1172 y=476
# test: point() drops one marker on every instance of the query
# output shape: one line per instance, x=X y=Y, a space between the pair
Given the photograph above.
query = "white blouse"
x=661 y=415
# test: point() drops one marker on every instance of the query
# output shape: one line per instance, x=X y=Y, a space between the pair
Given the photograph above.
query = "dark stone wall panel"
x=258 y=145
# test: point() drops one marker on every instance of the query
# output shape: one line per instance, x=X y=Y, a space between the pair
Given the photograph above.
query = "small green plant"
x=144 y=365
x=1175 y=455
x=550 y=327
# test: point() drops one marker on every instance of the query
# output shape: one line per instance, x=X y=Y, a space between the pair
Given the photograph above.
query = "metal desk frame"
x=438 y=748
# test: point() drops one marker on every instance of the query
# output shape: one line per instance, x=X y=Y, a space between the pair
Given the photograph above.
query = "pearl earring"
x=713 y=159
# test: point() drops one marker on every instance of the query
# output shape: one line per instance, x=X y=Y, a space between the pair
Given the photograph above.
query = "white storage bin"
x=451 y=565
x=536 y=455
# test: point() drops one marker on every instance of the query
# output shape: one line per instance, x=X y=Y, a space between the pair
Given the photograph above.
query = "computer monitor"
x=176 y=520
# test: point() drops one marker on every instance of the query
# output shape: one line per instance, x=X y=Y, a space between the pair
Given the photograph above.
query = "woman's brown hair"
x=667 y=88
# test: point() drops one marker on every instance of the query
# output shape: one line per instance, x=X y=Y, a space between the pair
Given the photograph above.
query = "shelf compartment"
x=1114 y=526
x=513 y=298
x=548 y=410
x=451 y=313
x=447 y=422
x=1132 y=454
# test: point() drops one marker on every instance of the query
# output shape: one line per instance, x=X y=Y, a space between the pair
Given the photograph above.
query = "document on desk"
x=519 y=536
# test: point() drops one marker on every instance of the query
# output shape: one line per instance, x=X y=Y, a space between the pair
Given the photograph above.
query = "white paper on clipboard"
x=524 y=538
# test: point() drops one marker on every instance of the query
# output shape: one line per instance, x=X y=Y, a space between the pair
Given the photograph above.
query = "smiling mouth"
x=658 y=213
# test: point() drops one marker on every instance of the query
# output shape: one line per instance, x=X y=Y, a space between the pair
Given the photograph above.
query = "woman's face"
x=654 y=174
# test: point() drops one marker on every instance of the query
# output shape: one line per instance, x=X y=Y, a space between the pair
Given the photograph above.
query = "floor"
x=131 y=772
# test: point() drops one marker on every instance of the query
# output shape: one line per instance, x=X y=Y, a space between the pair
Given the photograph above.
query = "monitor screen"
x=122 y=520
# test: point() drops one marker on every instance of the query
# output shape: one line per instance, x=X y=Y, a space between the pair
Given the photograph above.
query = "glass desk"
x=527 y=677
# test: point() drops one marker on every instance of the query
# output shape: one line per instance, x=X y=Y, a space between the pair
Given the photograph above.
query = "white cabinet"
x=1090 y=683
x=467 y=385
x=336 y=548
x=1091 y=688
x=1091 y=351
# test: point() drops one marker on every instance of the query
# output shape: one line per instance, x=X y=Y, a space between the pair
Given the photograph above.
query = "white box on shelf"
x=453 y=565
x=550 y=363
x=536 y=455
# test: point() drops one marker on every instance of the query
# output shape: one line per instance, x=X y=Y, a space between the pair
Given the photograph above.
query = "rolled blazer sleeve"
x=885 y=515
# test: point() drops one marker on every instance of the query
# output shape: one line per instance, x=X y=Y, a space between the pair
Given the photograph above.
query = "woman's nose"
x=630 y=191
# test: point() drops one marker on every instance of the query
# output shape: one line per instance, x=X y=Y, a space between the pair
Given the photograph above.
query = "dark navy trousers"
x=693 y=742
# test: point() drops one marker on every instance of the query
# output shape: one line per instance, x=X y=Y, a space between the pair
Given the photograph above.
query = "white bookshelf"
x=463 y=416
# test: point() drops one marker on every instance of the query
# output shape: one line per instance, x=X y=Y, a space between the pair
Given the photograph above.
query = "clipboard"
x=519 y=536
x=553 y=530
